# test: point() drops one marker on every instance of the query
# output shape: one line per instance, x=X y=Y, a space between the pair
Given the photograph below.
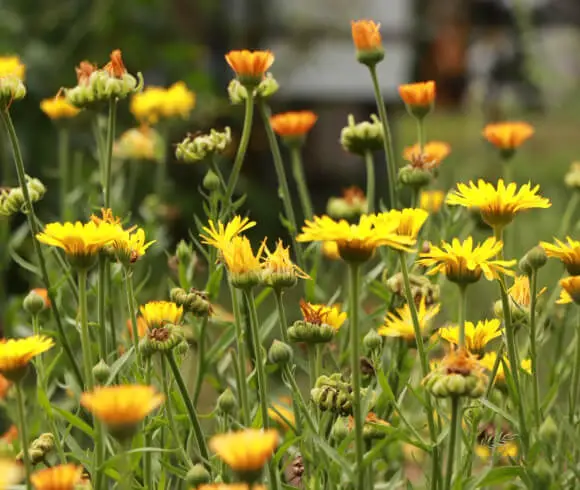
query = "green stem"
x=241 y=351
x=102 y=291
x=300 y=400
x=132 y=310
x=370 y=164
x=31 y=218
x=147 y=463
x=533 y=350
x=64 y=172
x=494 y=369
x=85 y=335
x=200 y=360
x=261 y=375
x=454 y=430
x=462 y=314
x=354 y=283
x=387 y=140
x=300 y=180
x=243 y=146
x=162 y=167
x=112 y=299
x=421 y=133
x=576 y=371
x=23 y=430
x=109 y=150
x=191 y=412
x=216 y=170
x=311 y=351
x=567 y=218
x=435 y=469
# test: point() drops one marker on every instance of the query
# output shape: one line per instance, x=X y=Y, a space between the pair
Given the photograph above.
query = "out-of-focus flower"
x=15 y=354
x=564 y=298
x=60 y=477
x=572 y=178
x=508 y=136
x=282 y=415
x=572 y=286
x=418 y=97
x=293 y=126
x=4 y=387
x=477 y=336
x=350 y=206
x=58 y=108
x=400 y=323
x=431 y=201
x=142 y=143
x=11 y=80
x=142 y=327
x=434 y=152
x=520 y=292
x=246 y=450
x=488 y=361
x=10 y=435
x=568 y=253
x=10 y=473
x=330 y=250
x=12 y=66
x=12 y=199
x=157 y=103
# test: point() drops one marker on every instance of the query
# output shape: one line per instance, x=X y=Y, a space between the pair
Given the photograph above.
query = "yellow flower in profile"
x=477 y=336
x=488 y=361
x=520 y=292
x=572 y=286
x=131 y=246
x=278 y=270
x=508 y=136
x=246 y=450
x=239 y=257
x=568 y=253
x=12 y=66
x=15 y=354
x=123 y=406
x=219 y=236
x=400 y=323
x=155 y=103
x=282 y=415
x=58 y=108
x=366 y=35
x=60 y=477
x=498 y=206
x=293 y=124
x=179 y=101
x=421 y=94
x=410 y=220
x=158 y=313
x=330 y=250
x=250 y=66
x=564 y=298
x=10 y=473
x=434 y=152
x=317 y=314
x=464 y=263
x=431 y=201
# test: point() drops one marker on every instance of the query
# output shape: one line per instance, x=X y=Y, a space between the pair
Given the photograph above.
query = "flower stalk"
x=370 y=166
x=23 y=431
x=64 y=171
x=300 y=180
x=454 y=425
x=111 y=122
x=241 y=357
x=533 y=347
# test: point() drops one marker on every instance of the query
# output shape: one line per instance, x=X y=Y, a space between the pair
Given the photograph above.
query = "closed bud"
x=211 y=181
x=310 y=333
x=280 y=353
x=226 y=402
x=535 y=259
x=339 y=429
x=237 y=92
x=184 y=252
x=372 y=341
x=101 y=372
x=197 y=475
x=34 y=303
x=415 y=177
x=182 y=348
x=363 y=137
x=548 y=430
x=267 y=87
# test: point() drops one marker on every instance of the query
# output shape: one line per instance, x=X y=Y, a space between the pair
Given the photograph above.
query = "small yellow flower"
x=15 y=354
x=431 y=201
x=293 y=124
x=411 y=220
x=155 y=103
x=12 y=66
x=488 y=361
x=278 y=270
x=507 y=450
x=131 y=246
x=520 y=291
x=221 y=235
x=434 y=152
x=476 y=336
x=121 y=406
x=58 y=108
x=508 y=135
x=246 y=450
x=322 y=314
x=239 y=257
x=61 y=477
x=158 y=313
x=400 y=323
x=572 y=286
x=464 y=263
x=330 y=250
x=142 y=143
x=10 y=473
x=282 y=415
x=568 y=253
x=498 y=206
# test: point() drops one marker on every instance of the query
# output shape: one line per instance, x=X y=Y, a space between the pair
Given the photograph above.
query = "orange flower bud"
x=418 y=97
x=250 y=66
x=367 y=40
x=293 y=125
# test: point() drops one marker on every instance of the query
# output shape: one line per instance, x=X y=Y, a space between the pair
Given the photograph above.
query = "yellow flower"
x=58 y=108
x=463 y=263
x=434 y=152
x=508 y=135
x=131 y=246
x=330 y=250
x=158 y=313
x=155 y=103
x=564 y=298
x=366 y=35
x=322 y=314
x=572 y=286
x=107 y=216
x=283 y=416
x=488 y=361
x=142 y=327
x=431 y=201
x=410 y=220
x=520 y=291
x=356 y=242
x=278 y=270
x=10 y=473
x=221 y=235
x=293 y=124
x=12 y=66
x=476 y=336
x=61 y=477
x=15 y=354
x=239 y=257
x=179 y=101
x=499 y=206
x=400 y=323
x=142 y=143
x=246 y=450
x=568 y=253
x=507 y=450
x=121 y=406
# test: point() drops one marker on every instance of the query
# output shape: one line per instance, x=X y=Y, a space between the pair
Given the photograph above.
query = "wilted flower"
x=278 y=270
x=319 y=324
x=350 y=206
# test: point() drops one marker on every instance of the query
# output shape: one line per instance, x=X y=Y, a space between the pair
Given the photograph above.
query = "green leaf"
x=283 y=448
x=75 y=421
x=499 y=411
x=119 y=363
x=499 y=475
x=24 y=263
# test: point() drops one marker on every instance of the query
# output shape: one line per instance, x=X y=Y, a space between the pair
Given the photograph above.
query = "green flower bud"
x=34 y=303
x=548 y=430
x=164 y=339
x=535 y=259
x=421 y=288
x=347 y=208
x=194 y=301
x=226 y=402
x=415 y=177
x=310 y=333
x=182 y=348
x=101 y=372
x=11 y=89
x=211 y=181
x=184 y=252
x=332 y=393
x=267 y=87
x=339 y=429
x=197 y=475
x=372 y=341
x=280 y=353
x=237 y=92
x=362 y=137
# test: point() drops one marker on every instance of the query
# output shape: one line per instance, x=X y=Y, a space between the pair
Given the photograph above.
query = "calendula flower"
x=58 y=108
x=488 y=361
x=278 y=270
x=156 y=103
x=319 y=324
x=508 y=136
x=283 y=416
x=131 y=246
x=434 y=152
x=11 y=66
x=568 y=253
x=463 y=263
x=121 y=408
x=60 y=477
x=10 y=473
x=477 y=336
x=243 y=266
x=246 y=450
x=410 y=220
x=418 y=97
x=294 y=124
x=158 y=313
x=366 y=36
x=431 y=201
x=142 y=143
x=520 y=291
x=15 y=354
x=498 y=206
x=221 y=235
x=356 y=242
x=572 y=286
x=400 y=323
x=250 y=66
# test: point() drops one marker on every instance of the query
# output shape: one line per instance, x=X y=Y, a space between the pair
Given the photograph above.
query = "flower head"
x=142 y=143
x=434 y=152
x=350 y=206
x=43 y=293
x=498 y=206
x=568 y=253
x=564 y=298
x=293 y=125
x=11 y=80
x=330 y=250
x=477 y=336
x=508 y=136
x=219 y=236
x=464 y=263
x=572 y=286
x=157 y=313
x=58 y=108
x=488 y=361
x=278 y=270
x=418 y=97
x=15 y=354
x=431 y=201
x=131 y=246
x=11 y=66
x=156 y=103
x=282 y=415
x=61 y=477
x=197 y=147
x=366 y=36
x=322 y=314
x=400 y=323
x=246 y=450
x=520 y=292
x=409 y=221
x=250 y=66
x=243 y=265
x=142 y=327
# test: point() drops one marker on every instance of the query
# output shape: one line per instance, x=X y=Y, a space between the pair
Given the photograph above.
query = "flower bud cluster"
x=195 y=301
x=265 y=89
x=11 y=88
x=332 y=393
x=196 y=148
x=363 y=137
x=39 y=449
x=12 y=199
x=421 y=288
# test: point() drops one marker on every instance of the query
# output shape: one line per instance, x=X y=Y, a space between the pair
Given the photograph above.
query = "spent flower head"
x=278 y=270
x=198 y=147
x=350 y=206
x=12 y=199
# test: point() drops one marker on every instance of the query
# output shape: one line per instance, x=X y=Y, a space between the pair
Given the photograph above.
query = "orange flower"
x=43 y=293
x=421 y=94
x=84 y=71
x=10 y=435
x=508 y=135
x=115 y=67
x=250 y=66
x=294 y=123
x=61 y=477
x=366 y=35
x=434 y=152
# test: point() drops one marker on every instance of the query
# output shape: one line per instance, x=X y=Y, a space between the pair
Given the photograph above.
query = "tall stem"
x=200 y=360
x=420 y=133
x=462 y=314
x=85 y=336
x=387 y=140
x=162 y=167
x=102 y=291
x=453 y=432
x=132 y=311
x=533 y=350
x=576 y=371
x=241 y=351
x=300 y=180
x=109 y=150
x=64 y=171
x=355 y=371
x=23 y=430
x=370 y=164
x=147 y=460
x=435 y=469
x=31 y=218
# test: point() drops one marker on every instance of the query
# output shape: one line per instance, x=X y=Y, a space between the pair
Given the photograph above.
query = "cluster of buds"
x=197 y=147
x=350 y=206
x=11 y=88
x=162 y=339
x=12 y=198
x=458 y=374
x=421 y=288
x=195 y=301
x=96 y=85
x=363 y=137
x=332 y=393
x=267 y=87
x=39 y=449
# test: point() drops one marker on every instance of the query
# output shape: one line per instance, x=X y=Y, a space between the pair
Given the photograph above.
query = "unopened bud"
x=34 y=302
x=280 y=353
x=226 y=402
x=211 y=181
x=184 y=252
x=339 y=429
x=533 y=260
x=197 y=475
x=548 y=430
x=360 y=138
x=415 y=177
x=101 y=372
x=372 y=341
x=267 y=87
